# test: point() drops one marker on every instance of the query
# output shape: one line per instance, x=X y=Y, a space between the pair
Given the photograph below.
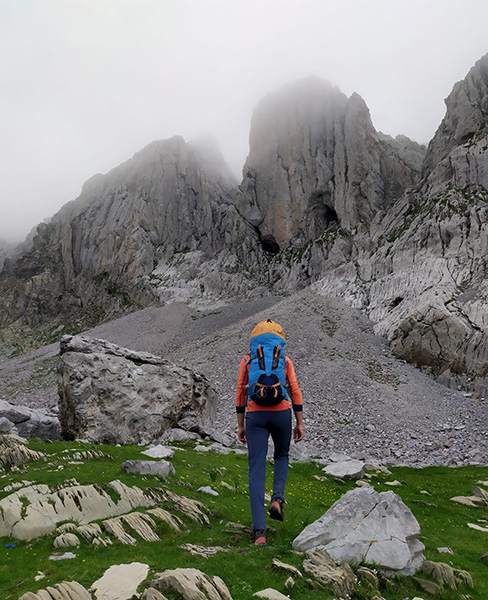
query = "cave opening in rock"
x=268 y=242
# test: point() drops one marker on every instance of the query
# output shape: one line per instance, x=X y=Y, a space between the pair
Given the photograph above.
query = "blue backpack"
x=267 y=363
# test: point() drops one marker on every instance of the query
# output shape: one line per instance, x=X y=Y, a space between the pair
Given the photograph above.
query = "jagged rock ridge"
x=395 y=229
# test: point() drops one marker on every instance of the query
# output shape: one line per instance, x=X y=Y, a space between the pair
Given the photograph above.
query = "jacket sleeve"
x=293 y=389
x=242 y=381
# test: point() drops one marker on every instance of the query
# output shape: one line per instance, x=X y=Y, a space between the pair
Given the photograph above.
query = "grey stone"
x=367 y=526
x=66 y=590
x=109 y=394
x=161 y=468
x=348 y=469
x=64 y=556
x=270 y=594
x=82 y=503
x=177 y=435
x=14 y=451
x=159 y=451
x=120 y=582
x=66 y=540
x=6 y=426
x=207 y=490
x=152 y=594
x=29 y=422
x=323 y=568
x=192 y=584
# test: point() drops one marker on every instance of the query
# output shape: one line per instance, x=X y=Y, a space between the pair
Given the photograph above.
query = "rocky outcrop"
x=315 y=159
x=35 y=510
x=66 y=590
x=421 y=273
x=27 y=422
x=109 y=394
x=168 y=209
x=397 y=230
x=192 y=584
x=367 y=526
x=324 y=569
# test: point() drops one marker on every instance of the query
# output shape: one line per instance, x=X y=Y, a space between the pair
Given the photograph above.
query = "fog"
x=87 y=83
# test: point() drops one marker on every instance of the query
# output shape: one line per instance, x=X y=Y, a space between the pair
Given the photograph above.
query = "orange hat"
x=268 y=326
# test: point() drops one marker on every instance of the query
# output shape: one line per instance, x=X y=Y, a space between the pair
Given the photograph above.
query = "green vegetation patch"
x=244 y=568
x=378 y=373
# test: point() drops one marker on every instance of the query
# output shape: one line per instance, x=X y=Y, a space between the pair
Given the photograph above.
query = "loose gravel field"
x=358 y=398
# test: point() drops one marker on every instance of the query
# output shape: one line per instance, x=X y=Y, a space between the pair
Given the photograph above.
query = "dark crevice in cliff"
x=268 y=242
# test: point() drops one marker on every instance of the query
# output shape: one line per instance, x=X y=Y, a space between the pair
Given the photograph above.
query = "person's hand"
x=241 y=433
x=298 y=433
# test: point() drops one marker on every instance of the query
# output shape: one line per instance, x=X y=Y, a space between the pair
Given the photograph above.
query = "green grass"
x=244 y=568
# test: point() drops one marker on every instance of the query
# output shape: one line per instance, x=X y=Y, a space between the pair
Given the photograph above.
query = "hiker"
x=266 y=392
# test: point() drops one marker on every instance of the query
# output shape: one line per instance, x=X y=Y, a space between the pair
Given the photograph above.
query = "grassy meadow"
x=244 y=568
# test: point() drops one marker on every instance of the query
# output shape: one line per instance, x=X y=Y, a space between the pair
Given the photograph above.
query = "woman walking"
x=267 y=391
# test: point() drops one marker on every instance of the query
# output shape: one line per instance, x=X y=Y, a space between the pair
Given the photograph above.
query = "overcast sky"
x=87 y=83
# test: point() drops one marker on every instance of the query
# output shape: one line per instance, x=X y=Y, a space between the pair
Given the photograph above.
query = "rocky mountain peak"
x=316 y=159
x=466 y=119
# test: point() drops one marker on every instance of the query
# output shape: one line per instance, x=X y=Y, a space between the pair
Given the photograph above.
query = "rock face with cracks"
x=109 y=394
x=36 y=510
x=395 y=229
x=367 y=526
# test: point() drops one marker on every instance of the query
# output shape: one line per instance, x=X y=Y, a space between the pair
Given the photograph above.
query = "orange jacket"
x=294 y=392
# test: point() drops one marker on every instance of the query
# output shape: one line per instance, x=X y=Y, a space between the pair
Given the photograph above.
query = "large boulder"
x=367 y=526
x=109 y=394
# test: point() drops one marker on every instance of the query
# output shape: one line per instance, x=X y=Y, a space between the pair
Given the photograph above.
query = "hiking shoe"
x=258 y=537
x=276 y=509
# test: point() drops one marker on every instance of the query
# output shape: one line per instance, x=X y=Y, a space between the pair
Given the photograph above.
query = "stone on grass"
x=290 y=583
x=271 y=594
x=152 y=594
x=368 y=575
x=66 y=590
x=175 y=434
x=281 y=566
x=120 y=582
x=367 y=526
x=347 y=469
x=66 y=540
x=161 y=468
x=324 y=569
x=206 y=489
x=140 y=523
x=192 y=584
x=204 y=551
x=14 y=451
x=159 y=451
x=64 y=556
x=429 y=587
x=36 y=510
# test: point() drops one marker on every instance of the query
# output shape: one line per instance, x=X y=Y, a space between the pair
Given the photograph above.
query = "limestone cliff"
x=421 y=272
x=396 y=229
x=97 y=255
x=315 y=159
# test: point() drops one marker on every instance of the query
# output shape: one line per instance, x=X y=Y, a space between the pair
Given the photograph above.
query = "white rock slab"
x=271 y=594
x=348 y=469
x=120 y=582
x=159 y=451
x=206 y=489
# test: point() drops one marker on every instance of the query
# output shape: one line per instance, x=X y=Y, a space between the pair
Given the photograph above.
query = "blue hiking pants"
x=259 y=425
